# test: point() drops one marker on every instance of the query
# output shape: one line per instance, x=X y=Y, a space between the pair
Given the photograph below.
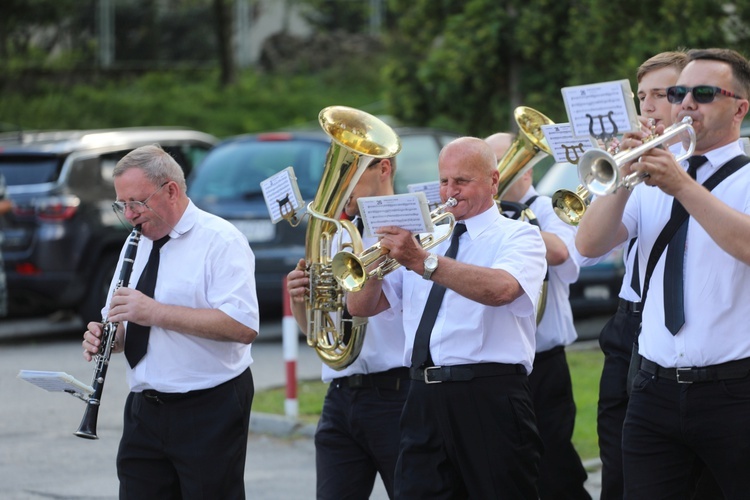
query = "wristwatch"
x=430 y=264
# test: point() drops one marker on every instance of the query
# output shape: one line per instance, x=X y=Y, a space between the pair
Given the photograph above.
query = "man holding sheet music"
x=358 y=432
x=468 y=427
x=690 y=400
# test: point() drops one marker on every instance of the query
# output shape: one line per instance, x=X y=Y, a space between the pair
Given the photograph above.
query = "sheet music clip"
x=57 y=382
x=283 y=198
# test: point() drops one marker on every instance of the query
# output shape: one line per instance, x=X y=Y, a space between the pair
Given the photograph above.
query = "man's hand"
x=402 y=246
x=92 y=340
x=298 y=283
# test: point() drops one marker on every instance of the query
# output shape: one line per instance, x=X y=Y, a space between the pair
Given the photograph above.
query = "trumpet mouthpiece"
x=451 y=202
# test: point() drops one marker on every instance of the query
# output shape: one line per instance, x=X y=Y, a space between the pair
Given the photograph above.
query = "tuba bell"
x=529 y=147
x=357 y=139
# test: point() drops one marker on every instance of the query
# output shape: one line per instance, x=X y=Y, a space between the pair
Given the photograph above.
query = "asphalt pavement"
x=41 y=459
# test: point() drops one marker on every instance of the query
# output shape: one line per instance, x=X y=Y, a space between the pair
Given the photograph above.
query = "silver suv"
x=62 y=238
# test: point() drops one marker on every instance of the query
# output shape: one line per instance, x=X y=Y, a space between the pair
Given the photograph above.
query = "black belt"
x=390 y=379
x=723 y=371
x=160 y=398
x=462 y=373
x=631 y=307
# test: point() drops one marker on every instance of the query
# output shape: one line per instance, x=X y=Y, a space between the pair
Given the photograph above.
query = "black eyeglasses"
x=702 y=94
x=135 y=206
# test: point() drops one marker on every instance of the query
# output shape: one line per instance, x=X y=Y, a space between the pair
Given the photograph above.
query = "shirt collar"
x=477 y=224
x=186 y=222
x=531 y=192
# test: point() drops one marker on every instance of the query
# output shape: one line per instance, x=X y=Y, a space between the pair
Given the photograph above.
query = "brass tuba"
x=526 y=151
x=357 y=138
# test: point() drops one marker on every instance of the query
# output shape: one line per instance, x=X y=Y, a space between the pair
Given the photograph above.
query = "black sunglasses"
x=702 y=94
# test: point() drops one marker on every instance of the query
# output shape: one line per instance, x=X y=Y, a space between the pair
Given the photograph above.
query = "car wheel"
x=96 y=297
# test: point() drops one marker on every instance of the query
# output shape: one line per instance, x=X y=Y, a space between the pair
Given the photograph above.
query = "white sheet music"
x=565 y=147
x=281 y=190
x=409 y=211
x=430 y=189
x=56 y=382
x=601 y=108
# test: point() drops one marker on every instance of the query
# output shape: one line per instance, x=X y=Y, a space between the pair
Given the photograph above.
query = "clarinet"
x=87 y=429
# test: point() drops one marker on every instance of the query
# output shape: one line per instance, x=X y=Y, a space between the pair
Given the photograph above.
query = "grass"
x=585 y=370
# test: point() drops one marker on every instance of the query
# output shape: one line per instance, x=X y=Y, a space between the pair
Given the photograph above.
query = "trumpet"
x=599 y=171
x=350 y=269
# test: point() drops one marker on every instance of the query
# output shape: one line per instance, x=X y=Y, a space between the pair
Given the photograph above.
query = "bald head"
x=468 y=173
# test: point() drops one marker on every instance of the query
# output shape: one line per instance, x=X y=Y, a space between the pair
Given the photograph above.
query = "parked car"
x=62 y=238
x=598 y=287
x=227 y=183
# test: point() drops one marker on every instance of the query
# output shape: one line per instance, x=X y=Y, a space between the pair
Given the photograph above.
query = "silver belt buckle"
x=686 y=370
x=426 y=381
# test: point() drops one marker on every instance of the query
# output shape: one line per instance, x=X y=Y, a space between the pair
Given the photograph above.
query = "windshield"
x=21 y=170
x=235 y=170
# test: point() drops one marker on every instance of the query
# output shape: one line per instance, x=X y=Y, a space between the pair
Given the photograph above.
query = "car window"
x=559 y=176
x=235 y=170
x=22 y=170
x=417 y=162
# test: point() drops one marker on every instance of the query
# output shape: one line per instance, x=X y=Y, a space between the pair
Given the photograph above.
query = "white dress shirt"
x=468 y=332
x=383 y=345
x=716 y=285
x=207 y=263
x=556 y=327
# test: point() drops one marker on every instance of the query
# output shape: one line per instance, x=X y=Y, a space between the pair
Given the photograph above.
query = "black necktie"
x=136 y=340
x=674 y=309
x=420 y=356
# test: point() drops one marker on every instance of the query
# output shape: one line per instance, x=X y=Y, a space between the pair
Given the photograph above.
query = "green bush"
x=585 y=370
x=188 y=98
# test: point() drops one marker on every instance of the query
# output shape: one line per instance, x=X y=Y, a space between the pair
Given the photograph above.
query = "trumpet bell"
x=570 y=206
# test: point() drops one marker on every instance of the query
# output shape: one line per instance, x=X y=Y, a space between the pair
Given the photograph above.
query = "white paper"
x=409 y=211
x=430 y=189
x=565 y=147
x=56 y=382
x=282 y=195
x=602 y=110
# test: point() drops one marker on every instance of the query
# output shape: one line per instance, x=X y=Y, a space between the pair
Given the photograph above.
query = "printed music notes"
x=282 y=195
x=602 y=110
x=565 y=147
x=430 y=189
x=409 y=211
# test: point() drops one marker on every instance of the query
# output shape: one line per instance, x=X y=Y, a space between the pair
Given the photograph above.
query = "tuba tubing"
x=87 y=428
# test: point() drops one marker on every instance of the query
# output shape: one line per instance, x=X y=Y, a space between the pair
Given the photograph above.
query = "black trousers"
x=357 y=438
x=616 y=341
x=475 y=439
x=561 y=473
x=670 y=426
x=186 y=448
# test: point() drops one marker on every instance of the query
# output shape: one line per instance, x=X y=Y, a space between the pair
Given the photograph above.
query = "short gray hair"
x=157 y=165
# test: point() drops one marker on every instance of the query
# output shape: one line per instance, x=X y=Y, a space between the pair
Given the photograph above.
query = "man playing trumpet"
x=468 y=427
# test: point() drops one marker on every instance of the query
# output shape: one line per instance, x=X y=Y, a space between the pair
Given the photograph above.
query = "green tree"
x=469 y=63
